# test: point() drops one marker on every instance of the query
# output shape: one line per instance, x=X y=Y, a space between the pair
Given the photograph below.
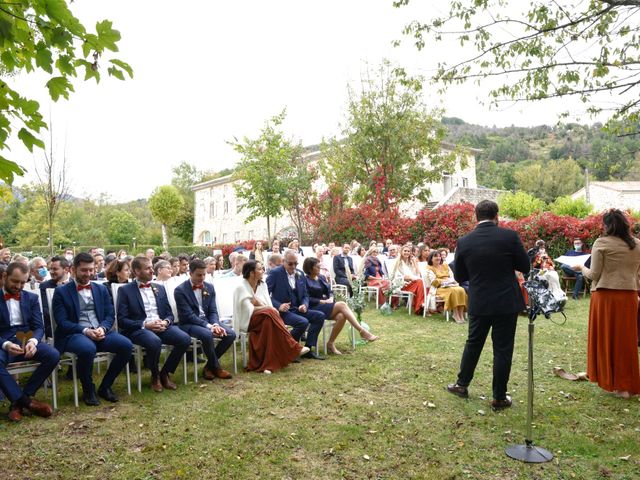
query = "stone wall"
x=470 y=195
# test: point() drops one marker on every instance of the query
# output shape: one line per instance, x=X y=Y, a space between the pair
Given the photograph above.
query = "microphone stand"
x=527 y=452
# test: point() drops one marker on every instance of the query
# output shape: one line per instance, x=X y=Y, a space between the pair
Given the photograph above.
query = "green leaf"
x=8 y=60
x=123 y=65
x=59 y=86
x=107 y=36
x=57 y=10
x=9 y=169
x=43 y=58
x=6 y=31
x=65 y=66
x=29 y=140
x=114 y=72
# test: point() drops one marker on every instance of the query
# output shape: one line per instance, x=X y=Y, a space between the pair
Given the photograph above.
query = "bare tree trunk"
x=268 y=239
x=165 y=241
x=51 y=236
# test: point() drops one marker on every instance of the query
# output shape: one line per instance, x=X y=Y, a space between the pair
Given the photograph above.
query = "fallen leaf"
x=625 y=458
x=480 y=412
x=431 y=405
x=366 y=457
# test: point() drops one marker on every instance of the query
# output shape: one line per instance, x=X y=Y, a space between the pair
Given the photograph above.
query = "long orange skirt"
x=612 y=349
x=271 y=346
x=417 y=288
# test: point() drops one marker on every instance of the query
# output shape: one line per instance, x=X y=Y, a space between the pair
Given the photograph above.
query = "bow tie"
x=83 y=287
x=145 y=285
x=9 y=296
x=197 y=287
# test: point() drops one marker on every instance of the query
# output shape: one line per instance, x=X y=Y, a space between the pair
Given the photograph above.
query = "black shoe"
x=89 y=398
x=498 y=405
x=313 y=355
x=107 y=394
x=456 y=389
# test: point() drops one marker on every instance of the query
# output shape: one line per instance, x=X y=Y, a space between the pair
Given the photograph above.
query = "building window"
x=465 y=182
x=226 y=207
x=236 y=236
x=250 y=235
x=212 y=210
x=206 y=237
x=224 y=238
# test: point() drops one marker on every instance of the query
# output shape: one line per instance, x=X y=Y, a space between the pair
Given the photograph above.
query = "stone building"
x=604 y=195
x=218 y=219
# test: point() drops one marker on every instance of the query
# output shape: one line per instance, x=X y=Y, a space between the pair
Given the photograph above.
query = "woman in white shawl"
x=271 y=346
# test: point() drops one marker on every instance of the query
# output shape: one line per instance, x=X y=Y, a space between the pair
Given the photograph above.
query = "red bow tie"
x=145 y=285
x=84 y=287
x=9 y=296
x=197 y=287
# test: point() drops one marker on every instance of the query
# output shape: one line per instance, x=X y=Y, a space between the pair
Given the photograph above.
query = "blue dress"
x=319 y=290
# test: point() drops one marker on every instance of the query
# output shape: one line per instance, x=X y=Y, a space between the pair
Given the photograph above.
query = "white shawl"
x=242 y=306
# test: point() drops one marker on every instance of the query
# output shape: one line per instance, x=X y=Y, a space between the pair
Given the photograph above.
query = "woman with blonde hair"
x=406 y=268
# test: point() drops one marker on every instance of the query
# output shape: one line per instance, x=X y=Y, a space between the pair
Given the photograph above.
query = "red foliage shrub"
x=442 y=227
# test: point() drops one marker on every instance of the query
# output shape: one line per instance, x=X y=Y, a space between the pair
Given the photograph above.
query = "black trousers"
x=503 y=331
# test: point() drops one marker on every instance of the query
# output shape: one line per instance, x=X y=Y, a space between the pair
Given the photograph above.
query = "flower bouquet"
x=395 y=285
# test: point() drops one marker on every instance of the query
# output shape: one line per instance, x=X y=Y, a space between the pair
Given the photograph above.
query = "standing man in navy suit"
x=84 y=315
x=145 y=316
x=288 y=290
x=488 y=258
x=20 y=312
x=196 y=302
x=343 y=268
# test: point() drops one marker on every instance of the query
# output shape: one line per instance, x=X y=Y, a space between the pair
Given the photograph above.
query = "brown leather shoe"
x=208 y=374
x=40 y=408
x=156 y=384
x=456 y=389
x=497 y=405
x=220 y=373
x=15 y=414
x=166 y=381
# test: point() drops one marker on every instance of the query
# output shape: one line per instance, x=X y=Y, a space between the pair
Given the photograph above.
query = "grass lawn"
x=381 y=412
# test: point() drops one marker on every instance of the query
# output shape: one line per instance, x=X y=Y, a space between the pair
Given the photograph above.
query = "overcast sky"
x=209 y=71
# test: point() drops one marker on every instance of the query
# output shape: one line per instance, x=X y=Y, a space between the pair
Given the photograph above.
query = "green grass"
x=362 y=415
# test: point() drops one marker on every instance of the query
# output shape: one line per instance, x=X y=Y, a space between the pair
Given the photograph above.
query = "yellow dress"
x=453 y=296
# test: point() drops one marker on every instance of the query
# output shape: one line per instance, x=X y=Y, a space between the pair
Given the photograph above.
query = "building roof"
x=623 y=187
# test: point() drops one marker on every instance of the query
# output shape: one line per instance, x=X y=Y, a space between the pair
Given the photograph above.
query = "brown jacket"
x=613 y=265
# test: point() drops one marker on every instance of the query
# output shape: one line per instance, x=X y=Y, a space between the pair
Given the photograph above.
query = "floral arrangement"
x=395 y=285
x=357 y=302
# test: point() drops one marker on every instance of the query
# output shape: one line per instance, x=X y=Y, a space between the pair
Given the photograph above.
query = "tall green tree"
x=184 y=177
x=165 y=204
x=549 y=181
x=588 y=49
x=123 y=227
x=265 y=170
x=390 y=147
x=45 y=35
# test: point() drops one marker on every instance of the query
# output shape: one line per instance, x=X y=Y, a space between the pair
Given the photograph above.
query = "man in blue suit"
x=343 y=268
x=84 y=316
x=289 y=295
x=198 y=315
x=145 y=316
x=20 y=312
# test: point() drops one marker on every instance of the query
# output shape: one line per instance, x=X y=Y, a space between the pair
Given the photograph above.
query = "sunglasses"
x=292 y=264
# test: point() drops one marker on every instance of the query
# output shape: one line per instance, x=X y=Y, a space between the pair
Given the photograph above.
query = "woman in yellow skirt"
x=454 y=296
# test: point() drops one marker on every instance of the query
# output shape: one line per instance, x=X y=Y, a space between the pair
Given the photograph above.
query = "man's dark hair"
x=248 y=267
x=183 y=256
x=23 y=267
x=64 y=263
x=82 y=257
x=486 y=210
x=196 y=264
x=138 y=263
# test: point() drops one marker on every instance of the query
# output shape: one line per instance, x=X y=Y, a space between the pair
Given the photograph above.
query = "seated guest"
x=145 y=317
x=232 y=262
x=236 y=271
x=289 y=295
x=121 y=255
x=406 y=268
x=578 y=249
x=84 y=315
x=271 y=346
x=295 y=246
x=184 y=265
x=119 y=271
x=423 y=253
x=198 y=316
x=454 y=296
x=38 y=272
x=150 y=253
x=108 y=260
x=257 y=252
x=444 y=254
x=211 y=264
x=175 y=266
x=219 y=263
x=387 y=243
x=59 y=270
x=324 y=268
x=321 y=299
x=343 y=268
x=162 y=270
x=373 y=275
x=68 y=254
x=275 y=246
x=20 y=312
x=20 y=258
x=330 y=247
x=544 y=263
x=5 y=256
x=392 y=252
x=98 y=258
x=275 y=260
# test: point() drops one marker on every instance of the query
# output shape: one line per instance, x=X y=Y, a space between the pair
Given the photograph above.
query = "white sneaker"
x=304 y=351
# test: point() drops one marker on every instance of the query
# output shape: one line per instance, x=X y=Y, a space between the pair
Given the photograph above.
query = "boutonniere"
x=154 y=289
x=297 y=275
x=204 y=292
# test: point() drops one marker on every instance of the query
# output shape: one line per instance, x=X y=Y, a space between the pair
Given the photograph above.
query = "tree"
x=549 y=181
x=302 y=174
x=557 y=49
x=184 y=177
x=578 y=208
x=123 y=227
x=390 y=148
x=519 y=205
x=45 y=35
x=165 y=204
x=262 y=175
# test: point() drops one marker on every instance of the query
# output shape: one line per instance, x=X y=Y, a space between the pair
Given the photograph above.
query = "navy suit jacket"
x=130 y=308
x=281 y=292
x=188 y=309
x=45 y=305
x=66 y=308
x=338 y=266
x=31 y=317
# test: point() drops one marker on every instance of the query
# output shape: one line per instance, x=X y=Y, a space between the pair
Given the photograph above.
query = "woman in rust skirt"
x=612 y=351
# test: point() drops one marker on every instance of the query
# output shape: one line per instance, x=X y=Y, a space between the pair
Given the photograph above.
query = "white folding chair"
x=224 y=288
x=401 y=295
